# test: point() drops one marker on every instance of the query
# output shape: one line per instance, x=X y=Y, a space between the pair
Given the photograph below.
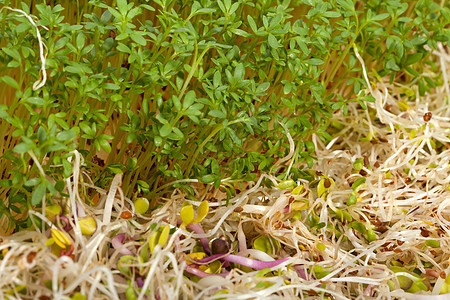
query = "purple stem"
x=195 y=227
x=200 y=273
x=245 y=261
x=302 y=271
x=117 y=243
x=210 y=259
x=65 y=220
x=252 y=263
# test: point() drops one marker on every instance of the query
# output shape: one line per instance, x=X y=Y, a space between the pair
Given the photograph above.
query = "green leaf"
x=346 y=4
x=358 y=182
x=189 y=99
x=210 y=178
x=66 y=136
x=111 y=86
x=286 y=185
x=122 y=5
x=261 y=88
x=332 y=14
x=38 y=194
x=314 y=61
x=263 y=244
x=413 y=58
x=380 y=17
x=5 y=183
x=10 y=81
x=358 y=164
x=176 y=102
x=320 y=271
x=123 y=48
x=24 y=147
x=419 y=40
x=14 y=53
x=234 y=136
x=138 y=38
x=86 y=128
x=38 y=101
x=273 y=42
x=103 y=141
x=240 y=32
x=371 y=236
x=239 y=72
x=165 y=130
x=358 y=226
x=352 y=199
x=217 y=114
x=124 y=262
x=252 y=23
x=433 y=243
x=80 y=40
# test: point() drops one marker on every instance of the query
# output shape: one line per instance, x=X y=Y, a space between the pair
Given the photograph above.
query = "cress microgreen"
x=166 y=91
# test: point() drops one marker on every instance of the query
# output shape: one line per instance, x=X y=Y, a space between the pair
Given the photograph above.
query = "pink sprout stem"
x=117 y=243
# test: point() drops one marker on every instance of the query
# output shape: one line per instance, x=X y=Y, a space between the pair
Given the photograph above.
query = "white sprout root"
x=405 y=200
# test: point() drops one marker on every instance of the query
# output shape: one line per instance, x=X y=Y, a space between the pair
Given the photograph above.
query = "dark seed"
x=424 y=232
x=427 y=116
x=327 y=183
x=219 y=246
x=366 y=161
